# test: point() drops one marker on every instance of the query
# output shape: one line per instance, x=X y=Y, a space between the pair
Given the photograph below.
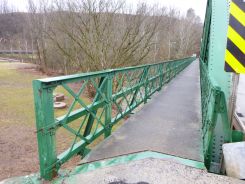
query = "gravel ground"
x=150 y=171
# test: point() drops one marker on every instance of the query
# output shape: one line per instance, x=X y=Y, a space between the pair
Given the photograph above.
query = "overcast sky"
x=183 y=5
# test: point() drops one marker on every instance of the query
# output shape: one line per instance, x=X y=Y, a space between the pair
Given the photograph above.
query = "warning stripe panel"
x=228 y=68
x=237 y=26
x=236 y=39
x=238 y=13
x=235 y=50
x=234 y=63
x=240 y=4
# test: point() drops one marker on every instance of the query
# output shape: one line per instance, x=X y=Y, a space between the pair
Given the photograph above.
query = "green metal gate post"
x=43 y=98
x=215 y=81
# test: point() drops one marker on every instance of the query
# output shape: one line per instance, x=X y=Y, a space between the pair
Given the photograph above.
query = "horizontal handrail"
x=71 y=78
x=118 y=93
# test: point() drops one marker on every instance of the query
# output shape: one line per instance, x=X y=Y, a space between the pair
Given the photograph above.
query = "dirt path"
x=18 y=151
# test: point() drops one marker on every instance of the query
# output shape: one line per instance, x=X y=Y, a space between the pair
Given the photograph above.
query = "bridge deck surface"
x=169 y=123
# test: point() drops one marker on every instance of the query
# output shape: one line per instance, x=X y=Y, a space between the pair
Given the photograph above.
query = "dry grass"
x=18 y=153
x=16 y=97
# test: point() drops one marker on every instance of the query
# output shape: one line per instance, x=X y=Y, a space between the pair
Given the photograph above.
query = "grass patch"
x=18 y=142
x=16 y=97
x=17 y=103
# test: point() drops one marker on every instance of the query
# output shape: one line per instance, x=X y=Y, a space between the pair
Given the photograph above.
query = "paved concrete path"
x=169 y=123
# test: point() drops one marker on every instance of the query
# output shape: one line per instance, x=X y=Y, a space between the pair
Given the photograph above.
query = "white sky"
x=183 y=5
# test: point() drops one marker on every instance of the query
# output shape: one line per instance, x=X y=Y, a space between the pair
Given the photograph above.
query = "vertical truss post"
x=175 y=68
x=141 y=80
x=168 y=72
x=108 y=107
x=161 y=77
x=212 y=58
x=146 y=83
x=43 y=98
x=219 y=132
x=91 y=118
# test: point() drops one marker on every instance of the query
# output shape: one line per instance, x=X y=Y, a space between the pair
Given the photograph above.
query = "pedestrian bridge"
x=177 y=116
x=168 y=116
x=169 y=123
x=171 y=111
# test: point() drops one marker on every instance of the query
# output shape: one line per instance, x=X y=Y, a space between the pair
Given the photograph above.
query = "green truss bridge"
x=177 y=116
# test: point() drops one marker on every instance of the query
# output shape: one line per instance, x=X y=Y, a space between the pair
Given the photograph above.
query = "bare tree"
x=37 y=24
x=89 y=35
x=189 y=34
x=4 y=7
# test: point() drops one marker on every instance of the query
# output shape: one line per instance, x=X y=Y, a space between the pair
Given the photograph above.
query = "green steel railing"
x=216 y=128
x=215 y=87
x=118 y=93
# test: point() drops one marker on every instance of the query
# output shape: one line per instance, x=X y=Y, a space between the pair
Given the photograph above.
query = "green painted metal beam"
x=216 y=84
x=46 y=140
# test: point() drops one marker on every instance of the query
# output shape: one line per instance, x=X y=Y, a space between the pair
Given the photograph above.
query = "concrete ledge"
x=234 y=155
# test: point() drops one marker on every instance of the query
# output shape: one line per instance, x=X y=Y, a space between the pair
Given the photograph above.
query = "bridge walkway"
x=169 y=123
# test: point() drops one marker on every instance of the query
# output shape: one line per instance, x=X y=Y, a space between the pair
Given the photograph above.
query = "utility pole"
x=155 y=50
x=169 y=48
x=10 y=47
x=26 y=45
x=32 y=50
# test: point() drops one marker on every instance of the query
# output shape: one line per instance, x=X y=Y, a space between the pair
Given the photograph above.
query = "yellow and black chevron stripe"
x=235 y=50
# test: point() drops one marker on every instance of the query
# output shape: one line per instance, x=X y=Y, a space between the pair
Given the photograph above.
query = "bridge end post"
x=43 y=98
